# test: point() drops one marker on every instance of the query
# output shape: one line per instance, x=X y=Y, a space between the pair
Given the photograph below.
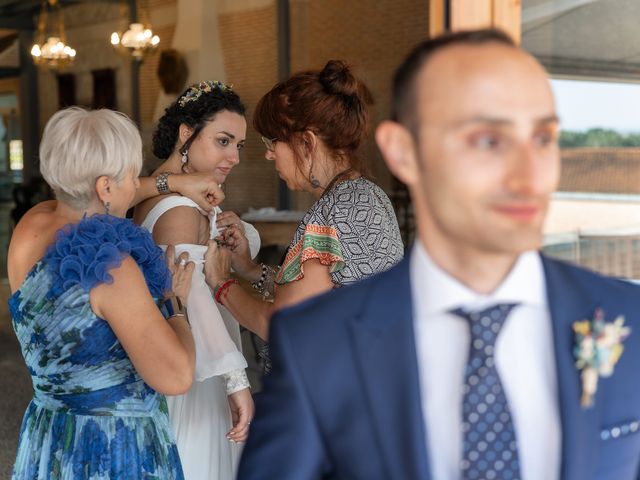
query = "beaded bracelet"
x=265 y=285
x=263 y=276
x=223 y=287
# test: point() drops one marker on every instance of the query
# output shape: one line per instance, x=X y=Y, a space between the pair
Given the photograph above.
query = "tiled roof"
x=601 y=170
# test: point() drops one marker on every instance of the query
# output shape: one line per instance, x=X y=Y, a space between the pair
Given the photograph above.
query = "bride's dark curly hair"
x=195 y=113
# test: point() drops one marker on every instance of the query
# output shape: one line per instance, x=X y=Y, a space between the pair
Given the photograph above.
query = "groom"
x=459 y=362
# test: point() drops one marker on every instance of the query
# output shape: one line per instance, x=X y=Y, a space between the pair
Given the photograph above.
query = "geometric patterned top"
x=352 y=229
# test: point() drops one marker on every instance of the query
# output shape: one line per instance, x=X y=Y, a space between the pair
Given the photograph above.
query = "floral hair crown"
x=205 y=86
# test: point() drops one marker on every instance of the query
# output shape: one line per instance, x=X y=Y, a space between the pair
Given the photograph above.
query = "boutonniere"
x=598 y=349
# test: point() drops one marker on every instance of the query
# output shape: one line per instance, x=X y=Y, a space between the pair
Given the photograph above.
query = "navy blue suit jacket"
x=343 y=400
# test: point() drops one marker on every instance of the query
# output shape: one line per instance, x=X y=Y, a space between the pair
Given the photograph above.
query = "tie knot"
x=485 y=325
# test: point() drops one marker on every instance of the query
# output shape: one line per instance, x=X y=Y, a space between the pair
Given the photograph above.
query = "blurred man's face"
x=487 y=152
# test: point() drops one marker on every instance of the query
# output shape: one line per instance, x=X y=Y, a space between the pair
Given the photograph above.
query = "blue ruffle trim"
x=83 y=254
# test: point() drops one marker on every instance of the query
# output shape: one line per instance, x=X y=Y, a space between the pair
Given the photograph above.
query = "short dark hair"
x=403 y=96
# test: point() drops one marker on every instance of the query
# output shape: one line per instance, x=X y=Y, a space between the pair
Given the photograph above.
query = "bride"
x=203 y=131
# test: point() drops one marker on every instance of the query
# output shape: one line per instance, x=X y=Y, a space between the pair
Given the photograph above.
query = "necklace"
x=334 y=180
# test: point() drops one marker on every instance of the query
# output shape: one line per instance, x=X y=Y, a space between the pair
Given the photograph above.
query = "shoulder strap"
x=164 y=206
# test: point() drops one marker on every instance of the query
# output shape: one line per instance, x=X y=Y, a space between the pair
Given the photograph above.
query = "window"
x=15 y=155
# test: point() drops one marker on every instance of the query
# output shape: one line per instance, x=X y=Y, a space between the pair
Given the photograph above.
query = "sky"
x=584 y=105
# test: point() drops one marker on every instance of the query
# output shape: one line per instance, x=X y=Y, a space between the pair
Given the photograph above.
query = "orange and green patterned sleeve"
x=318 y=241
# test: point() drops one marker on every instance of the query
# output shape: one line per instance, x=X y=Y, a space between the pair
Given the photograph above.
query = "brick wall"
x=151 y=4
x=371 y=35
x=249 y=42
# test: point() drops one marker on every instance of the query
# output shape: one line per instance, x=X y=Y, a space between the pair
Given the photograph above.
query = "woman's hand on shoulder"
x=200 y=187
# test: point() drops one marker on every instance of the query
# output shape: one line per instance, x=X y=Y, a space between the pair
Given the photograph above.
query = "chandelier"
x=51 y=48
x=138 y=41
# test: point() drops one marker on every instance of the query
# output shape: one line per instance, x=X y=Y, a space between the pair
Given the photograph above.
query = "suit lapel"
x=569 y=303
x=384 y=344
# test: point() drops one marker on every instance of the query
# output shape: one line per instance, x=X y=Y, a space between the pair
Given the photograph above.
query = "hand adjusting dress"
x=201 y=417
x=92 y=416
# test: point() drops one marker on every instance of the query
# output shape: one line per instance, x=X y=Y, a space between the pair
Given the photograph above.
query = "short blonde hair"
x=79 y=145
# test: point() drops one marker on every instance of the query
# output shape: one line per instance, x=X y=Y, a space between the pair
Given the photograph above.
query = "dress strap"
x=164 y=206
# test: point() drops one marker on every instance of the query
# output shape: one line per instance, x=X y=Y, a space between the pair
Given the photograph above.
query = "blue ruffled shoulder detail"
x=83 y=254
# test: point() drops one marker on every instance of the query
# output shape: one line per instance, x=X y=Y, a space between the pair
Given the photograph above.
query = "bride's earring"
x=183 y=161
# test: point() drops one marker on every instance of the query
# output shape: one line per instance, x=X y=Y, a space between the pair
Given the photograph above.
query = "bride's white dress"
x=201 y=417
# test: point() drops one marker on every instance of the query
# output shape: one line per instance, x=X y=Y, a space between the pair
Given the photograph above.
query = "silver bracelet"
x=178 y=309
x=162 y=184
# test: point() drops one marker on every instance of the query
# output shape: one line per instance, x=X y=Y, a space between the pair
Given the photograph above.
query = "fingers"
x=171 y=256
x=205 y=203
x=241 y=423
x=212 y=194
x=181 y=272
x=212 y=247
x=215 y=195
x=242 y=409
x=182 y=259
x=229 y=219
x=183 y=265
x=211 y=257
x=232 y=237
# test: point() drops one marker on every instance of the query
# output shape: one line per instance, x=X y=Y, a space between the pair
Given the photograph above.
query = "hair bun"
x=336 y=78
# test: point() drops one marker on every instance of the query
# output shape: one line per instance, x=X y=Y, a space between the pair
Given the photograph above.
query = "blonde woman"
x=86 y=288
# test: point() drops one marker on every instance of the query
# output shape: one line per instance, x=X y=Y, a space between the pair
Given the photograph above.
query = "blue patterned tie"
x=490 y=450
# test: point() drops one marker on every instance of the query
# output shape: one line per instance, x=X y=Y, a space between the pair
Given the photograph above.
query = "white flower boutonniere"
x=598 y=348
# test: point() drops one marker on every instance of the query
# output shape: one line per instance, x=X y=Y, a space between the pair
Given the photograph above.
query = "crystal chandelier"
x=138 y=41
x=51 y=48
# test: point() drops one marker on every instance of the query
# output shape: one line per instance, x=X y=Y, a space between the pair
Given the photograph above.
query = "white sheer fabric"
x=201 y=417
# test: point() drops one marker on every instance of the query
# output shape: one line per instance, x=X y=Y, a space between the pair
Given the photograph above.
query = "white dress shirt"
x=524 y=358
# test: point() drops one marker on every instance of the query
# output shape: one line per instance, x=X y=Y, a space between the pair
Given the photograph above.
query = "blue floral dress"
x=92 y=416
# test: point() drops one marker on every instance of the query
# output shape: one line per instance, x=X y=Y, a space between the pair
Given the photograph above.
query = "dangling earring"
x=315 y=183
x=185 y=157
x=107 y=206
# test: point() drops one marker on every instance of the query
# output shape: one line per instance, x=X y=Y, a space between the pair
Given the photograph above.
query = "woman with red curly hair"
x=312 y=125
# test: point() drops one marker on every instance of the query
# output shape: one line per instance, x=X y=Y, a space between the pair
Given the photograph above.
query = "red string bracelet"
x=223 y=288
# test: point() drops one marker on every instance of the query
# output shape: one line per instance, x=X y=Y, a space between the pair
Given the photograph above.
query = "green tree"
x=598 y=137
